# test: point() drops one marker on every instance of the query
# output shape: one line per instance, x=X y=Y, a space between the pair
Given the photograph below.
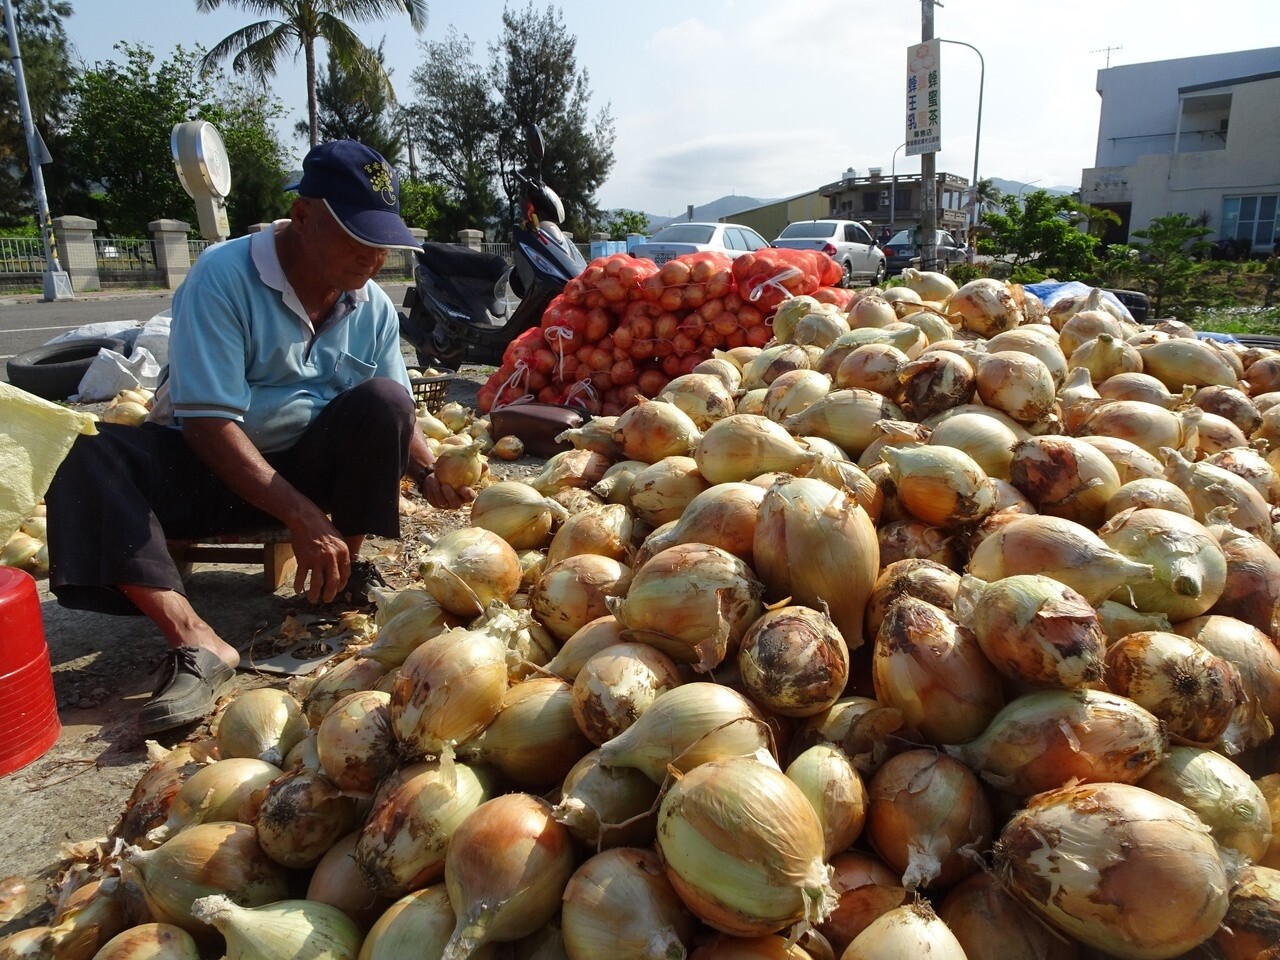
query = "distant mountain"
x=724 y=207
x=1013 y=186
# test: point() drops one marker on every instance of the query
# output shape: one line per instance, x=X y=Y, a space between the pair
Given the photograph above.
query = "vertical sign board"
x=924 y=98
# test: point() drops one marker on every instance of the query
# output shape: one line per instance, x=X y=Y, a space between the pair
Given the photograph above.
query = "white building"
x=1199 y=136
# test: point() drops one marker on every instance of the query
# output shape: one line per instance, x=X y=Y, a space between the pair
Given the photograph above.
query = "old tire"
x=54 y=371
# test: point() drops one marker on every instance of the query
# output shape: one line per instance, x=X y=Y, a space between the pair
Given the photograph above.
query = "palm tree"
x=986 y=195
x=298 y=24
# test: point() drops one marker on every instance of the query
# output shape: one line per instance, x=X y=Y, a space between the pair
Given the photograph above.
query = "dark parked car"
x=901 y=250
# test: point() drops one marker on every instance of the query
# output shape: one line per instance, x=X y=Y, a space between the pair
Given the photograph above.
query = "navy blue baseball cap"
x=360 y=189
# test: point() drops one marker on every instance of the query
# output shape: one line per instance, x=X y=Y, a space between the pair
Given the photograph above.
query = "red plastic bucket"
x=28 y=708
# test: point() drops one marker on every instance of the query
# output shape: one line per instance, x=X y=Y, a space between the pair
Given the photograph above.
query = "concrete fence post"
x=74 y=236
x=470 y=238
x=411 y=258
x=173 y=256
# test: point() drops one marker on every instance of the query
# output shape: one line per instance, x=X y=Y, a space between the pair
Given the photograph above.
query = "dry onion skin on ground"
x=707 y=675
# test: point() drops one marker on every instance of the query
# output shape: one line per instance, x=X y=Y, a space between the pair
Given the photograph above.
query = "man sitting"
x=287 y=399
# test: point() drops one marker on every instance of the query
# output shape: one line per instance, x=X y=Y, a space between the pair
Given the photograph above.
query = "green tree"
x=534 y=72
x=1167 y=268
x=42 y=41
x=259 y=163
x=422 y=205
x=257 y=48
x=987 y=195
x=623 y=222
x=1037 y=235
x=354 y=106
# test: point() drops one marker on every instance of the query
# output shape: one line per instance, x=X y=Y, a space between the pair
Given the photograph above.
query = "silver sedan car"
x=676 y=239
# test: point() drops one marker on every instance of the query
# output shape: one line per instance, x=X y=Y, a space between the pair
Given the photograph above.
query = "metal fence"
x=21 y=257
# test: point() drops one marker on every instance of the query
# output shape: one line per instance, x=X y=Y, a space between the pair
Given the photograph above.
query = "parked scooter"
x=459 y=310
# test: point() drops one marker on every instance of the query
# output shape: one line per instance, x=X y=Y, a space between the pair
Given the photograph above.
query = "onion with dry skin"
x=301 y=816
x=915 y=540
x=743 y=446
x=744 y=849
x=620 y=904
x=1135 y=385
x=937 y=381
x=661 y=491
x=355 y=742
x=571 y=470
x=866 y=889
x=617 y=685
x=468 y=569
x=813 y=543
x=847 y=418
x=575 y=591
x=150 y=941
x=1015 y=383
x=518 y=513
x=793 y=661
x=1086 y=858
x=873 y=366
x=1252 y=589
x=723 y=516
x=988 y=441
x=586 y=642
x=988 y=922
x=223 y=790
x=703 y=397
x=419 y=923
x=941 y=486
x=348 y=677
x=827 y=776
x=534 y=740
x=607 y=807
x=1130 y=460
x=1149 y=493
x=931 y=668
x=922 y=579
x=1209 y=487
x=1257 y=662
x=1189 y=567
x=1064 y=477
x=1183 y=362
x=264 y=724
x=984 y=306
x=338 y=881
x=654 y=429
x=913 y=930
x=1148 y=426
x=1042 y=740
x=1193 y=692
x=406 y=631
x=793 y=392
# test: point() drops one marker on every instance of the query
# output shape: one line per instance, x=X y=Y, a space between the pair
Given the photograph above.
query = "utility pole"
x=928 y=169
x=57 y=285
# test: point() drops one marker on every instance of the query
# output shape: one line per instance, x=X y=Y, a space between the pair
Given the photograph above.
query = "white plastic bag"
x=112 y=372
x=155 y=337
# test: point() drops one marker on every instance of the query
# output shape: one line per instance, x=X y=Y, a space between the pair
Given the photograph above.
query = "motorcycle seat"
x=462 y=263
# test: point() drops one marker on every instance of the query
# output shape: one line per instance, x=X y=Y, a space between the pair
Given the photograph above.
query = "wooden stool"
x=270 y=547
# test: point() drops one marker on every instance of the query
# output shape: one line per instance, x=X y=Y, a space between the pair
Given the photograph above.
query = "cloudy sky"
x=770 y=98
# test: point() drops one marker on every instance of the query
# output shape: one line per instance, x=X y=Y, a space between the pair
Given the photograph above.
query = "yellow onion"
x=790 y=312
x=704 y=397
x=871 y=311
x=913 y=930
x=517 y=513
x=1249 y=464
x=571 y=470
x=934 y=327
x=816 y=545
x=693 y=724
x=654 y=429
x=1065 y=308
x=1189 y=567
x=660 y=492
x=348 y=677
x=793 y=661
x=1209 y=486
x=506 y=869
x=1257 y=663
x=984 y=306
x=728 y=364
x=1071 y=850
x=1131 y=461
x=301 y=816
x=924 y=812
x=1119 y=620
x=86 y=918
x=744 y=849
x=604 y=807
x=418 y=924
x=1042 y=740
x=1252 y=589
x=1148 y=493
x=1064 y=477
x=534 y=740
x=356 y=743
x=401 y=847
x=150 y=941
x=941 y=486
x=893 y=433
x=620 y=904
x=907 y=338
x=588 y=640
x=615 y=484
x=873 y=366
x=930 y=284
x=338 y=881
x=1148 y=426
x=149 y=803
x=615 y=686
x=661 y=538
x=937 y=381
x=693 y=602
x=595 y=436
x=752 y=402
x=794 y=392
x=743 y=446
x=849 y=477
x=931 y=668
x=866 y=889
x=915 y=540
x=604 y=531
x=1015 y=383
x=988 y=922
x=1062 y=549
x=408 y=630
x=200 y=861
x=223 y=790
x=509 y=447
x=575 y=591
x=263 y=724
x=923 y=579
x=1183 y=362
x=846 y=418
x=986 y=440
x=832 y=725
x=1034 y=630
x=1193 y=692
x=771 y=362
x=722 y=516
x=1217 y=435
x=1043 y=346
x=283 y=930
x=1077 y=399
x=1135 y=385
x=1089 y=326
x=1219 y=793
x=533 y=563
x=460 y=466
x=826 y=775
x=1251 y=927
x=468 y=569
x=447 y=691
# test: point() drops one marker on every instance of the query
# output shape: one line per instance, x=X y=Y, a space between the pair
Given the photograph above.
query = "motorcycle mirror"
x=533 y=137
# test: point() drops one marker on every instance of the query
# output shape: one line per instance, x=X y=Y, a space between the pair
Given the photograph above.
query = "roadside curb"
x=84 y=297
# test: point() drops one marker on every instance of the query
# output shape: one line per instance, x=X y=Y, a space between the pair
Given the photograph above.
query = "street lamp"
x=1025 y=185
x=977 y=141
x=893 y=189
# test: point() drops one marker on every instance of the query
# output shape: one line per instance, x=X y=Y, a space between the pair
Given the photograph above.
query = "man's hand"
x=442 y=495
x=323 y=559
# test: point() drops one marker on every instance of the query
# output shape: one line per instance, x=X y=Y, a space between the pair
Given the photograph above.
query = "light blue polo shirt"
x=241 y=346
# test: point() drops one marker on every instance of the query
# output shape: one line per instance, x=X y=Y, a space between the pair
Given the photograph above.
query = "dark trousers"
x=119 y=495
